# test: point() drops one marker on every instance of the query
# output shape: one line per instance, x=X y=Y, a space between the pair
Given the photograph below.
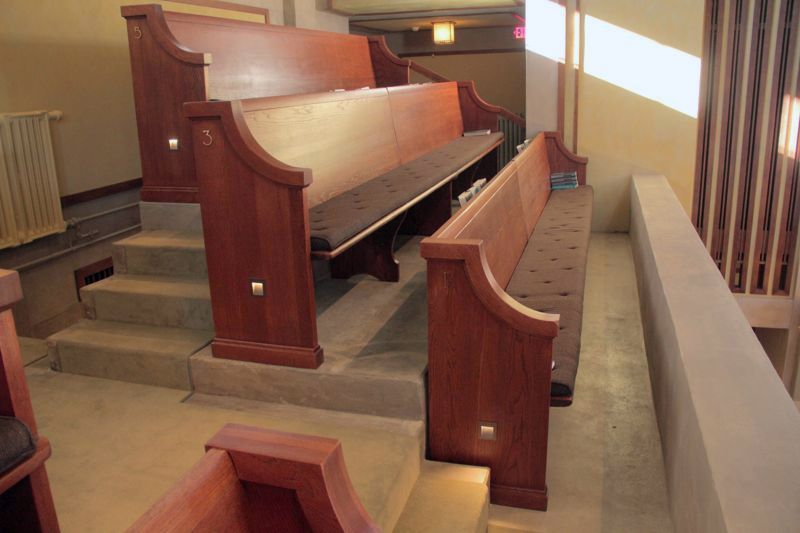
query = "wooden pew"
x=497 y=273
x=26 y=504
x=253 y=479
x=177 y=58
x=367 y=153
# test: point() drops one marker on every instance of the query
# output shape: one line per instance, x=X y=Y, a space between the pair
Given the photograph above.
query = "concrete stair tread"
x=163 y=238
x=137 y=353
x=447 y=497
x=383 y=455
x=125 y=336
x=152 y=285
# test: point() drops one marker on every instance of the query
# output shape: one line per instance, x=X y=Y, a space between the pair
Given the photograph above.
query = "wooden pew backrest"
x=425 y=117
x=251 y=60
x=350 y=137
x=503 y=216
x=347 y=138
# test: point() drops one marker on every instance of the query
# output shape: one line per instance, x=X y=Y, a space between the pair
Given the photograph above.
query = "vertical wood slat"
x=779 y=278
x=726 y=122
x=768 y=171
x=30 y=205
x=708 y=84
x=746 y=190
x=743 y=125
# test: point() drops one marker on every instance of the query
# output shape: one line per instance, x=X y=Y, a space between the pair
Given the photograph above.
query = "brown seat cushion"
x=16 y=442
x=551 y=274
x=336 y=220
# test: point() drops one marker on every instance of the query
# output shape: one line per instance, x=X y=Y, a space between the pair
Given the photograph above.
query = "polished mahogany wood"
x=389 y=69
x=561 y=159
x=254 y=161
x=26 y=503
x=489 y=357
x=255 y=226
x=347 y=138
x=177 y=58
x=254 y=479
x=373 y=255
x=425 y=117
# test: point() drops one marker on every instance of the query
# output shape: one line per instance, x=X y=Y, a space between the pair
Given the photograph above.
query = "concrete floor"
x=118 y=446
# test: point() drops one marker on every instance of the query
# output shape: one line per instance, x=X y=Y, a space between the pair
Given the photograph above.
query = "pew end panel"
x=389 y=69
x=255 y=226
x=489 y=367
x=253 y=479
x=490 y=355
x=562 y=159
x=26 y=503
x=165 y=75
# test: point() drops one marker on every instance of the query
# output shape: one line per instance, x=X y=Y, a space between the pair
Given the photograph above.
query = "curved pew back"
x=346 y=138
x=353 y=136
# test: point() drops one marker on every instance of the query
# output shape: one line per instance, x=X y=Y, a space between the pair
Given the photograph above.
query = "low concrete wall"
x=730 y=432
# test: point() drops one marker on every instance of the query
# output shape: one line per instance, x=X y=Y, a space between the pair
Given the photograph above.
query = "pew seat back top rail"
x=179 y=57
x=505 y=297
x=333 y=176
x=253 y=479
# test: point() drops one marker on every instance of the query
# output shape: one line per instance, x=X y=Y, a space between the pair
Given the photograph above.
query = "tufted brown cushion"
x=551 y=274
x=336 y=220
x=16 y=442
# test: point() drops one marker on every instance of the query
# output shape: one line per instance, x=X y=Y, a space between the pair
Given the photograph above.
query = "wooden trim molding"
x=228 y=6
x=100 y=192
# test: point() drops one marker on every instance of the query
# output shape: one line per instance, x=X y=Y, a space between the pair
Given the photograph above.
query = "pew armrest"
x=255 y=479
x=562 y=159
x=494 y=299
x=389 y=69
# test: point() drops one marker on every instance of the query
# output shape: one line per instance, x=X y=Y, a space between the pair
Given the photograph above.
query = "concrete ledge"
x=730 y=432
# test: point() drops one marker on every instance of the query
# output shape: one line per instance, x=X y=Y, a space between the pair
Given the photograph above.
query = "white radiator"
x=30 y=205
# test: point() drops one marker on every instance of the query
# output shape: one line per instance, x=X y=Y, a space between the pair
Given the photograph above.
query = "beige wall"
x=500 y=77
x=308 y=14
x=625 y=134
x=72 y=55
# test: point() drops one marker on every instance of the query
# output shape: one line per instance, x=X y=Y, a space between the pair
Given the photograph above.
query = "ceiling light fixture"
x=444 y=32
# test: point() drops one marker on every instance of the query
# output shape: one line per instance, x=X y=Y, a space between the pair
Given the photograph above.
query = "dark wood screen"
x=746 y=187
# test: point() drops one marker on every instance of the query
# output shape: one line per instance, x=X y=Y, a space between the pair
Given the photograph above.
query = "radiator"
x=30 y=204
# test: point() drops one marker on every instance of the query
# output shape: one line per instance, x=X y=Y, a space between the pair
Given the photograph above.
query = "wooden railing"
x=254 y=479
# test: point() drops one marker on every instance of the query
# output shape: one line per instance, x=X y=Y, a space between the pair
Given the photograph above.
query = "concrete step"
x=127 y=352
x=161 y=252
x=447 y=497
x=394 y=389
x=152 y=300
x=383 y=455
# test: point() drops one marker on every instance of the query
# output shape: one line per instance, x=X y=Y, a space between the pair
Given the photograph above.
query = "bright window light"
x=790 y=123
x=545 y=29
x=642 y=66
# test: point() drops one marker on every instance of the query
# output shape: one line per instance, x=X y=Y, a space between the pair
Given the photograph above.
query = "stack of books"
x=472 y=192
x=563 y=180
